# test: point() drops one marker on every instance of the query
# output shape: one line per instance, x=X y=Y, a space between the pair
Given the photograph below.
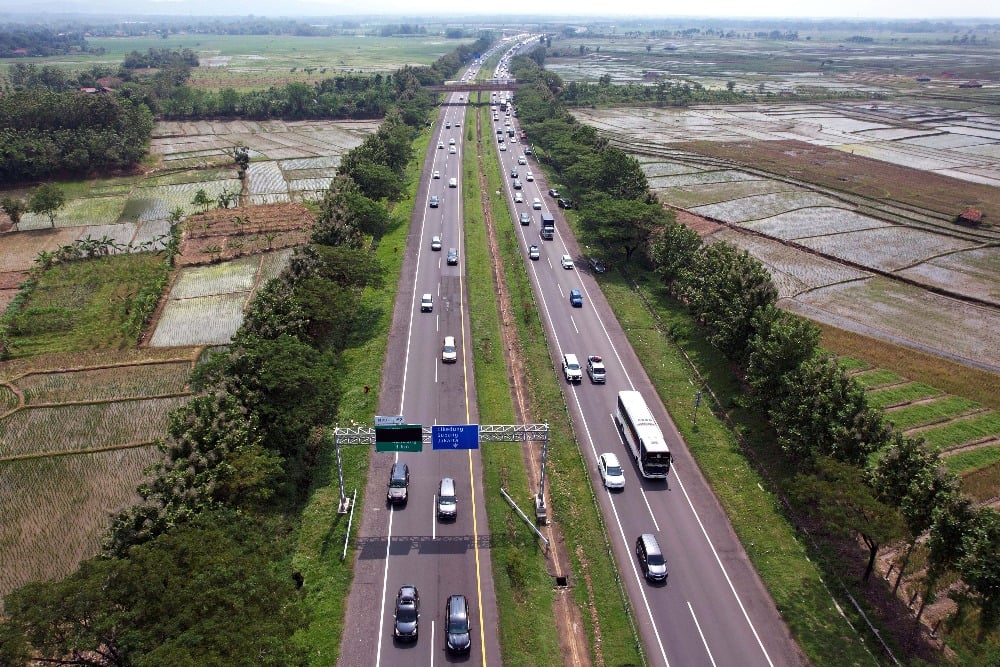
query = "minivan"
x=447 y=503
x=651 y=560
x=399 y=480
x=457 y=629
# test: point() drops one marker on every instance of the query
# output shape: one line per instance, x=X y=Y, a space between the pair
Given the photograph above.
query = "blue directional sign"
x=455 y=436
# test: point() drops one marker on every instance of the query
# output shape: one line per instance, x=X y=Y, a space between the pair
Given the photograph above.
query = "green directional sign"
x=399 y=438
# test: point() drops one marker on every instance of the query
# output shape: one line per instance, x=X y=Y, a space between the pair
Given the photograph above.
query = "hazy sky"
x=910 y=9
x=733 y=8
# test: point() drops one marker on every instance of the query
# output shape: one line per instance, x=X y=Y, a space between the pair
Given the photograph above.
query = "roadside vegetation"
x=831 y=458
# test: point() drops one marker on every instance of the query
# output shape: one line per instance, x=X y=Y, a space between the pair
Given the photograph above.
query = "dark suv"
x=457 y=628
x=399 y=480
x=407 y=615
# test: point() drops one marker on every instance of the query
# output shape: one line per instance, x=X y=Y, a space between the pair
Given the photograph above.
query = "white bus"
x=642 y=434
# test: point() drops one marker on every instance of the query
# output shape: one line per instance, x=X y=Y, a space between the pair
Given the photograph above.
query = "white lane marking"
x=701 y=634
x=650 y=509
x=573 y=322
x=434 y=523
x=431 y=644
x=385 y=583
x=722 y=567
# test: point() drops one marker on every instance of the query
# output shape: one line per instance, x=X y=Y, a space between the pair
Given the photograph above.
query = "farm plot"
x=959 y=432
x=56 y=509
x=794 y=271
x=908 y=315
x=99 y=384
x=763 y=206
x=974 y=272
x=265 y=178
x=692 y=196
x=21 y=248
x=929 y=412
x=905 y=393
x=74 y=427
x=155 y=203
x=223 y=278
x=206 y=320
x=813 y=221
x=654 y=168
x=886 y=248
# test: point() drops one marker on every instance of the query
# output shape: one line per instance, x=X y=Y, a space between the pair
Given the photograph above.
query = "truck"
x=548 y=226
x=503 y=105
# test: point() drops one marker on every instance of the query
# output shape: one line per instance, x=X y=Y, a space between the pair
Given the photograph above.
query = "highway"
x=713 y=610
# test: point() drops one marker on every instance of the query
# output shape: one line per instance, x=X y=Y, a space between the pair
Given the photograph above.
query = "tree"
x=202 y=199
x=215 y=591
x=781 y=342
x=241 y=156
x=14 y=208
x=836 y=493
x=623 y=225
x=980 y=567
x=724 y=288
x=952 y=520
x=672 y=250
x=46 y=200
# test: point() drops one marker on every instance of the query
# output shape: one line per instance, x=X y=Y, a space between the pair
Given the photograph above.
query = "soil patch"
x=868 y=177
x=223 y=234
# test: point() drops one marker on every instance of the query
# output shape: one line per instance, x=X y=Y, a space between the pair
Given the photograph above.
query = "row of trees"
x=199 y=572
x=45 y=134
x=856 y=473
x=22 y=41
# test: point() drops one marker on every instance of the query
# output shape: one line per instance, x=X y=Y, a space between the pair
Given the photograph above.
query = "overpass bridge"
x=476 y=88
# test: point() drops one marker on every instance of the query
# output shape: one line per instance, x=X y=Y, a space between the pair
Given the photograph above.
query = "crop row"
x=762 y=206
x=98 y=384
x=56 y=509
x=961 y=431
x=929 y=412
x=206 y=320
x=34 y=430
x=223 y=278
x=813 y=221
x=911 y=391
x=885 y=248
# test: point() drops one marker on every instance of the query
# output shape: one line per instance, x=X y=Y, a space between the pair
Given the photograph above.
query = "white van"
x=447 y=503
x=452 y=182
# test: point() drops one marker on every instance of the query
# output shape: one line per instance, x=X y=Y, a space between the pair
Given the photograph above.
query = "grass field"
x=84 y=305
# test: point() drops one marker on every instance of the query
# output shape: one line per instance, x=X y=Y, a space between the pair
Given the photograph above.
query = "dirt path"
x=569 y=623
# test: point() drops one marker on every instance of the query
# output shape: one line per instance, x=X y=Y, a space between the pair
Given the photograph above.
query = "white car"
x=451 y=142
x=503 y=147
x=451 y=149
x=518 y=198
x=436 y=174
x=426 y=303
x=522 y=160
x=529 y=176
x=536 y=204
x=452 y=182
x=611 y=471
x=449 y=353
x=440 y=144
x=567 y=262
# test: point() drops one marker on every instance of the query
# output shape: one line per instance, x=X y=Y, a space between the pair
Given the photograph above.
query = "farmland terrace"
x=862 y=242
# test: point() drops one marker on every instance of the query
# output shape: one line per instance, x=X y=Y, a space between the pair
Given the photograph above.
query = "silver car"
x=611 y=471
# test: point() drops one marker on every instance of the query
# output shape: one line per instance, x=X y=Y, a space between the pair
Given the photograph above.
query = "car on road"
x=525 y=218
x=451 y=142
x=651 y=560
x=533 y=252
x=518 y=198
x=571 y=368
x=457 y=624
x=436 y=174
x=452 y=256
x=449 y=353
x=527 y=151
x=426 y=303
x=447 y=126
x=565 y=203
x=435 y=243
x=503 y=147
x=595 y=369
x=536 y=203
x=433 y=202
x=566 y=261
x=399 y=481
x=517 y=184
x=513 y=173
x=440 y=144
x=576 y=298
x=611 y=471
x=452 y=182
x=528 y=176
x=447 y=501
x=451 y=149
x=407 y=614
x=553 y=193
x=522 y=160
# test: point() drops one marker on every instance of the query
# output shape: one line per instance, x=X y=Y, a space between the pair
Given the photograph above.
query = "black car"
x=457 y=627
x=399 y=481
x=407 y=614
x=452 y=256
x=564 y=203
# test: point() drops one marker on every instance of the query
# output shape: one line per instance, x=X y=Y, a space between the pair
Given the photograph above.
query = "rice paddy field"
x=76 y=433
x=799 y=201
x=205 y=305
